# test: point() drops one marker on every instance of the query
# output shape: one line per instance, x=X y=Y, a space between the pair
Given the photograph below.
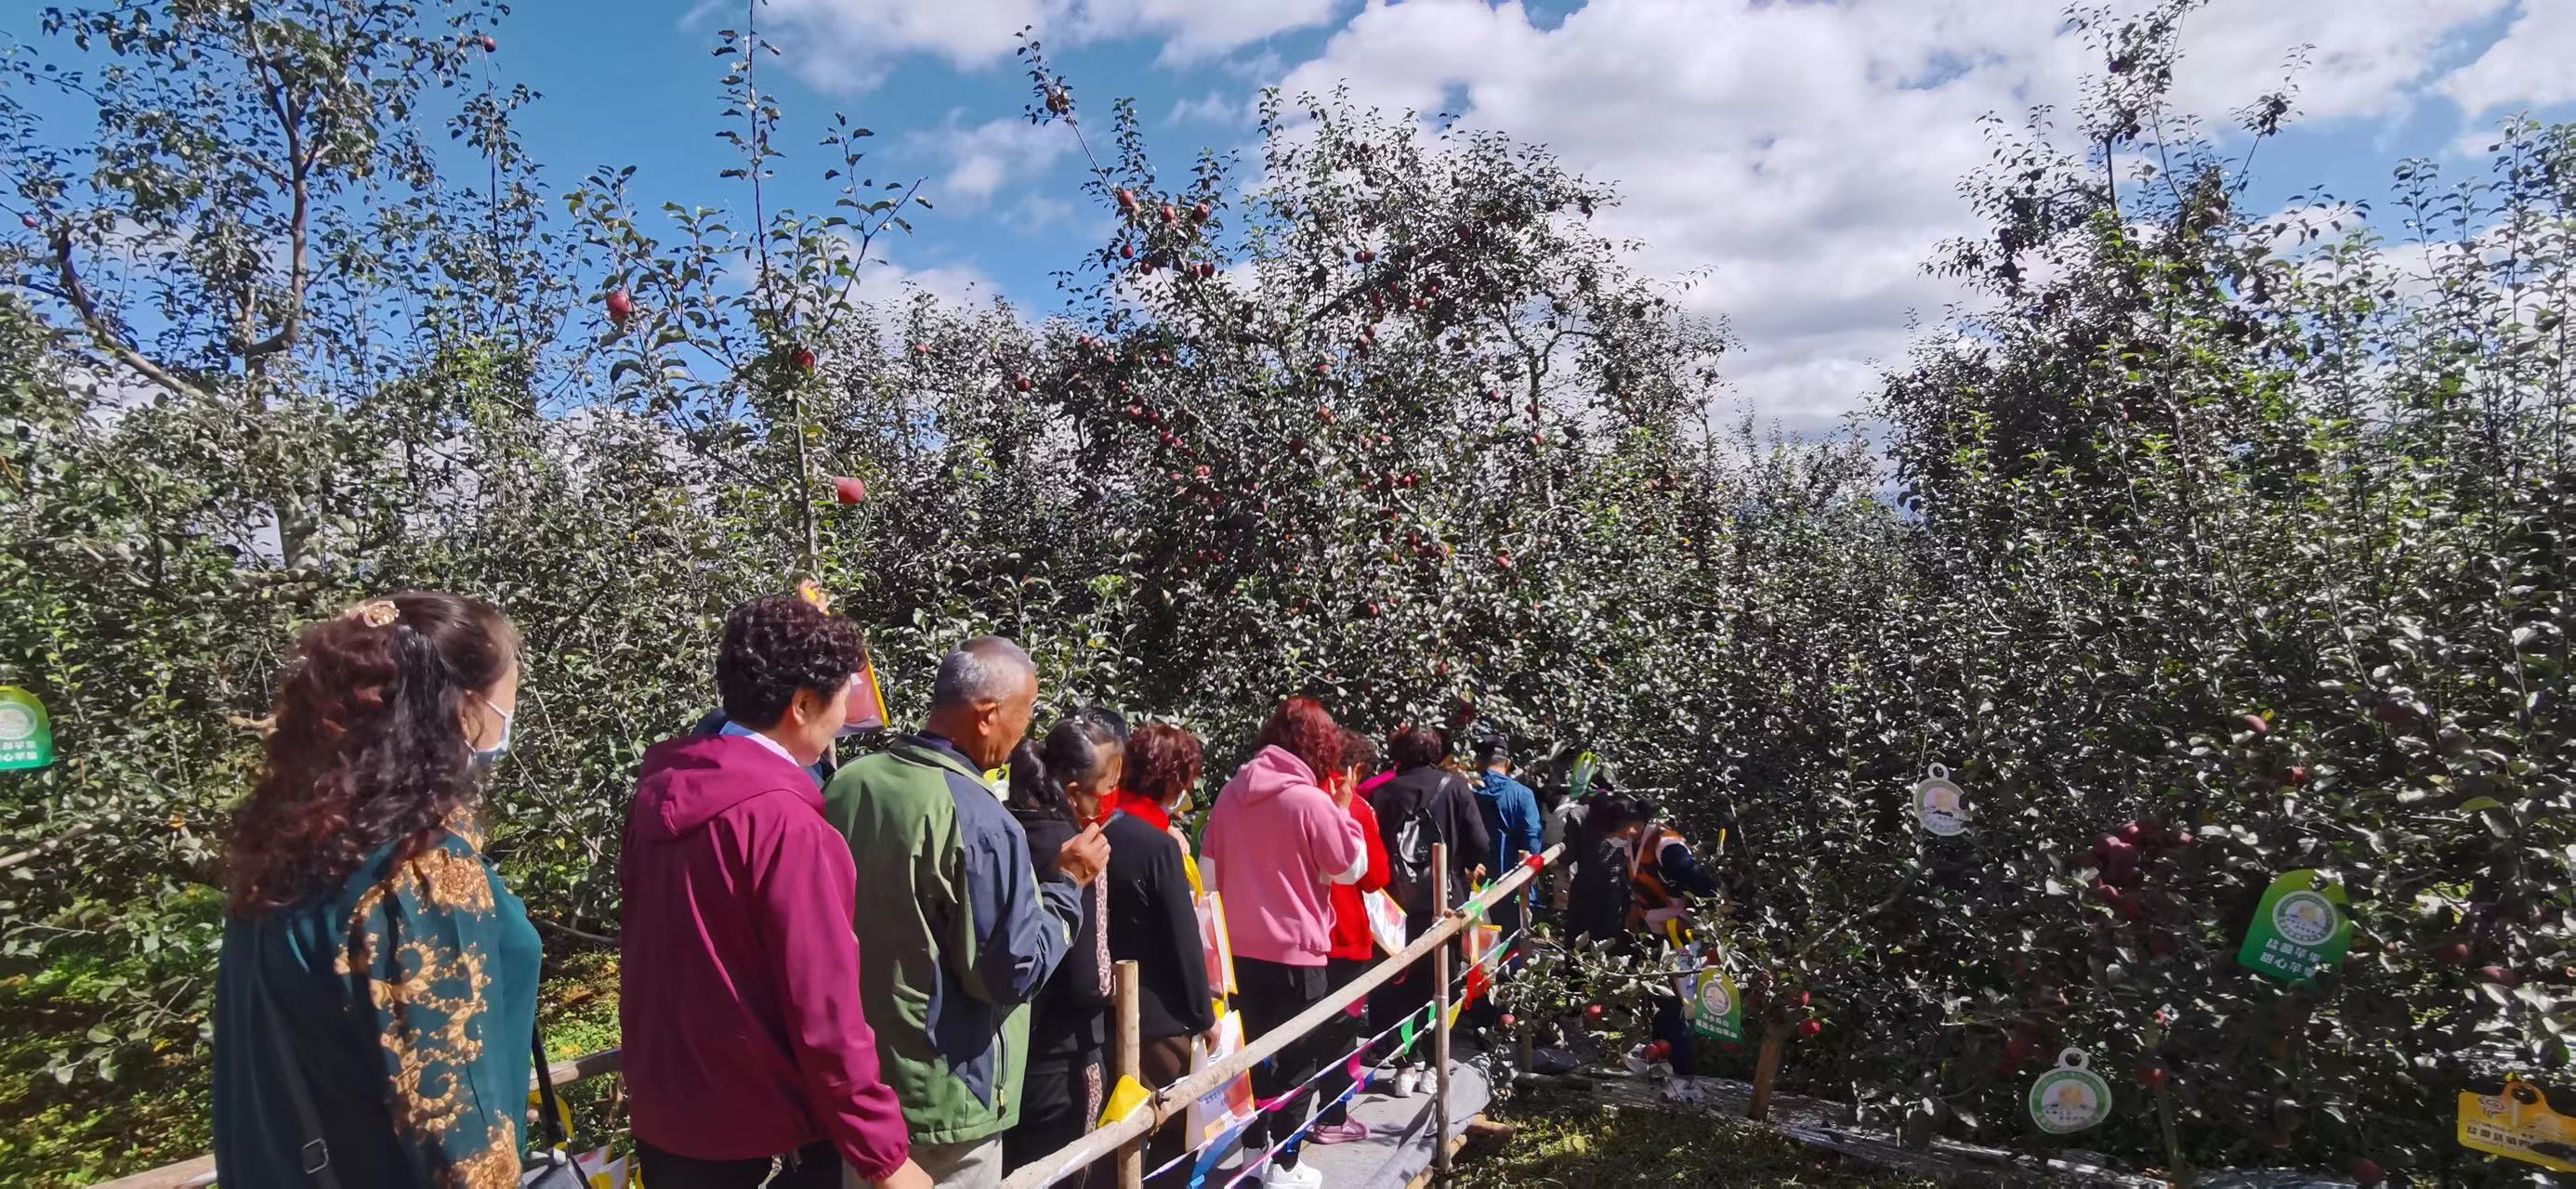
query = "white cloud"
x=955 y=285
x=1215 y=107
x=847 y=45
x=2368 y=57
x=984 y=159
x=1035 y=213
x=1806 y=156
x=2526 y=68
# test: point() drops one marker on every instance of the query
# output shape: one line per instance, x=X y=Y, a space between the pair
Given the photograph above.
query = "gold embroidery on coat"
x=452 y=881
x=428 y=1037
x=495 y=1166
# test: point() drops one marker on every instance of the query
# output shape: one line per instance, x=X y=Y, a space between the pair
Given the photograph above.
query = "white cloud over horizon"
x=1802 y=160
x=847 y=46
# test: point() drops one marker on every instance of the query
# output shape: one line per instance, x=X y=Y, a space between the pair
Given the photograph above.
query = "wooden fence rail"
x=1123 y=1137
x=1175 y=1099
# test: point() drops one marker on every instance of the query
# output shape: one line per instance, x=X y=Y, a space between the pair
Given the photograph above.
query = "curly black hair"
x=777 y=645
x=370 y=743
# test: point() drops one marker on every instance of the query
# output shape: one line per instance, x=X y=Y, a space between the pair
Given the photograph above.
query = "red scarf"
x=1142 y=808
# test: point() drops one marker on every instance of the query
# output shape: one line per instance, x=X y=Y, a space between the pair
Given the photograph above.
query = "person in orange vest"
x=1640 y=874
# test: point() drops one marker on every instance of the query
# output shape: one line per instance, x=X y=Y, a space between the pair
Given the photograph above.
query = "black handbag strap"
x=558 y=1145
x=555 y=1137
x=313 y=1154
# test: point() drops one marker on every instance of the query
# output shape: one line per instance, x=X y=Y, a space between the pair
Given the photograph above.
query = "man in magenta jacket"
x=745 y=1049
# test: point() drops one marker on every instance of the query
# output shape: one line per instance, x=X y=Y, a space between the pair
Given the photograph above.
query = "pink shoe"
x=1346 y=1131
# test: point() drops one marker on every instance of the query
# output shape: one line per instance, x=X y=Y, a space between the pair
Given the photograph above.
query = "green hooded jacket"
x=956 y=933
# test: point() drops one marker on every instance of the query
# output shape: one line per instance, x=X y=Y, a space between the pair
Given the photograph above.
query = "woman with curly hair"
x=1276 y=843
x=377 y=990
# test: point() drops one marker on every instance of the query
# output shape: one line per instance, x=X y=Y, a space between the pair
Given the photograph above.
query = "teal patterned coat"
x=409 y=996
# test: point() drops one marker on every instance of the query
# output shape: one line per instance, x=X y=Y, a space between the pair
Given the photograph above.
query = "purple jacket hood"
x=688 y=782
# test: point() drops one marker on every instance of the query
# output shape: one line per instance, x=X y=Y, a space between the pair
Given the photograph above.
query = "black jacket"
x=1444 y=795
x=1070 y=1015
x=1152 y=924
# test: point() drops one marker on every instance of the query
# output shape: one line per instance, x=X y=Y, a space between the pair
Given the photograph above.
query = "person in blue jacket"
x=1512 y=817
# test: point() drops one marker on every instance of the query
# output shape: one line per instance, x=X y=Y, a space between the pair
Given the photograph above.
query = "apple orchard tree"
x=1382 y=417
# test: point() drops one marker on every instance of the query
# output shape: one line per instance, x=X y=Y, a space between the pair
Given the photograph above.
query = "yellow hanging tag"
x=563 y=1108
x=2516 y=1122
x=1124 y=1098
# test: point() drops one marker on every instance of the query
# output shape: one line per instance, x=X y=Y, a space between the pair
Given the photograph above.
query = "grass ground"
x=1571 y=1141
x=157 y=1111
x=81 y=1128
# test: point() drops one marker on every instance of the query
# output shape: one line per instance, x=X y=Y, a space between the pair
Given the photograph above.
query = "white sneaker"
x=1408 y=1083
x=1300 y=1177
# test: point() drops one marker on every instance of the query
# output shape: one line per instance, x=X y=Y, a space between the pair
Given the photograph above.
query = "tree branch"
x=300 y=171
x=105 y=332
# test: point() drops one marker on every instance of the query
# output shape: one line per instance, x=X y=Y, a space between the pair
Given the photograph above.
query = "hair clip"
x=376 y=613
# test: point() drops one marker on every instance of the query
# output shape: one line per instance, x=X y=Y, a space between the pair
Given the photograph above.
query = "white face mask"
x=485 y=757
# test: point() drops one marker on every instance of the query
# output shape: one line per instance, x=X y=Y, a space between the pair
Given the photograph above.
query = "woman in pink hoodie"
x=1276 y=842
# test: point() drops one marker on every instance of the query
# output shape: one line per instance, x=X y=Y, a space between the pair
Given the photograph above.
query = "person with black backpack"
x=1424 y=805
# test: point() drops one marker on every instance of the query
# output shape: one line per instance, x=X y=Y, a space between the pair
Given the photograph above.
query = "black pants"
x=1406 y=993
x=1334 y=1042
x=1165 y=1060
x=1273 y=994
x=814 y=1166
x=1672 y=1028
x=1060 y=1100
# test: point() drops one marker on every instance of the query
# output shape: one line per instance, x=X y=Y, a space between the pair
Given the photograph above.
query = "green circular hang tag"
x=1714 y=1008
x=26 y=734
x=2300 y=927
x=2071 y=1097
x=1940 y=805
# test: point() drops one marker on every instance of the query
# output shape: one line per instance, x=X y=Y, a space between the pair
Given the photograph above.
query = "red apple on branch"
x=848 y=490
x=620 y=305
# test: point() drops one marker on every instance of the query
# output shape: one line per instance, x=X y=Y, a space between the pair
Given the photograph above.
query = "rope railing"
x=1165 y=1103
x=1174 y=1100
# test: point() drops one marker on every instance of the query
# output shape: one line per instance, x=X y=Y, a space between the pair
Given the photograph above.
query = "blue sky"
x=1798 y=156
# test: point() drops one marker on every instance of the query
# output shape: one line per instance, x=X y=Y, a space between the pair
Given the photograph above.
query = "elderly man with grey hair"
x=956 y=932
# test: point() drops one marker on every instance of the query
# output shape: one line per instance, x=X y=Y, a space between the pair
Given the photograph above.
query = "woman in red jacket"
x=1354 y=947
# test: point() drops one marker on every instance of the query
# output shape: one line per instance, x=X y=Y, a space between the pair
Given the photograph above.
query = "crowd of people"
x=897 y=971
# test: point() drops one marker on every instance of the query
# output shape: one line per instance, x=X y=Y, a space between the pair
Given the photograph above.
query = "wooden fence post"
x=1440 y=1008
x=1766 y=1070
x=1128 y=1061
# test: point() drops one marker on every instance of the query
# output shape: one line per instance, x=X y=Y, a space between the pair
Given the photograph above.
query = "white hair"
x=984 y=669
